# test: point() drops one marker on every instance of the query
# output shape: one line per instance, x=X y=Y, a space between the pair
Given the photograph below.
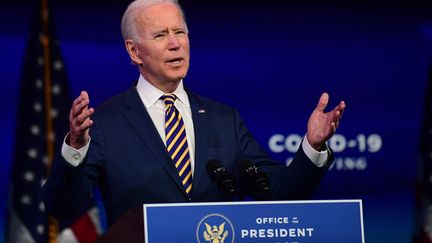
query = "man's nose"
x=173 y=43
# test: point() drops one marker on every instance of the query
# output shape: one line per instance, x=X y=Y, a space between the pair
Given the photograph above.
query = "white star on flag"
x=34 y=129
x=29 y=176
x=32 y=153
x=25 y=199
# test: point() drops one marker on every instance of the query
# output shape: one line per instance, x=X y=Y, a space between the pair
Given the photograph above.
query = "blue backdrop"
x=272 y=62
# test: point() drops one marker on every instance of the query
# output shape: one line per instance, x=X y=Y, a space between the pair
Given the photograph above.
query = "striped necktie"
x=176 y=143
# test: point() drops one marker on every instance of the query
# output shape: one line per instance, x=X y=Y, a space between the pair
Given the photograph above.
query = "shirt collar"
x=149 y=94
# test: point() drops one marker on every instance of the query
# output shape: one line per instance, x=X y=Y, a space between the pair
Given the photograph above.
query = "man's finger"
x=90 y=111
x=341 y=107
x=79 y=107
x=83 y=95
x=80 y=102
x=76 y=108
x=77 y=100
x=333 y=127
x=79 y=128
x=323 y=101
x=86 y=125
x=81 y=118
x=86 y=113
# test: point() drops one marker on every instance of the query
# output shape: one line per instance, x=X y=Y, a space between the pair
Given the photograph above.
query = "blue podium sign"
x=272 y=221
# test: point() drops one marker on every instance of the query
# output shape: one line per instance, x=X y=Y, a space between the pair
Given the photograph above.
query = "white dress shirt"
x=156 y=108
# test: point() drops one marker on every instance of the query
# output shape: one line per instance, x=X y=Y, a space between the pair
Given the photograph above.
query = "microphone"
x=255 y=182
x=223 y=178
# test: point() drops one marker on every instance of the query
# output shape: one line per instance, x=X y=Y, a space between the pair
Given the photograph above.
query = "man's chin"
x=177 y=77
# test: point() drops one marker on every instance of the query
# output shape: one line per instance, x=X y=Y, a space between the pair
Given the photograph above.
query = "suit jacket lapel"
x=140 y=120
x=200 y=119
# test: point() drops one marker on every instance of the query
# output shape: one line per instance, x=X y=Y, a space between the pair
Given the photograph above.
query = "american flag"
x=43 y=110
x=423 y=232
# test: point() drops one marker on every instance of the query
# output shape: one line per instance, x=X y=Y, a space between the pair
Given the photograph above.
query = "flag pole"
x=47 y=83
x=45 y=39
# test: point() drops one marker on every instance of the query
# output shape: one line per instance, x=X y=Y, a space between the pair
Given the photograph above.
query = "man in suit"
x=151 y=143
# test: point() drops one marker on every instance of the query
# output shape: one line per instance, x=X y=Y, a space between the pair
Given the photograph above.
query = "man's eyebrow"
x=162 y=31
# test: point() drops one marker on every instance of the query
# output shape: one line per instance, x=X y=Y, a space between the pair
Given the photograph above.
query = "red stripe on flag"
x=84 y=230
x=424 y=238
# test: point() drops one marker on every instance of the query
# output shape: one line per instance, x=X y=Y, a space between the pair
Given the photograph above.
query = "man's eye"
x=159 y=36
x=180 y=32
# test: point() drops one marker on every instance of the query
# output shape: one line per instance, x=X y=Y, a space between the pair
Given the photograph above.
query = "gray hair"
x=128 y=27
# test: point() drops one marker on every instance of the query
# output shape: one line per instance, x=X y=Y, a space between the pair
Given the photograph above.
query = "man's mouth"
x=175 y=61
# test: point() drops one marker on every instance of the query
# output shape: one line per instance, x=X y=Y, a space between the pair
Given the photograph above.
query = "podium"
x=264 y=221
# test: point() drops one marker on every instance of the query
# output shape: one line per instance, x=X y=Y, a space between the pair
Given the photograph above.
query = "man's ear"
x=132 y=49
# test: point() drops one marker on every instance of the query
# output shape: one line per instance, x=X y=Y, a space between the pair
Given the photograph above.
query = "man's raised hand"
x=79 y=121
x=322 y=125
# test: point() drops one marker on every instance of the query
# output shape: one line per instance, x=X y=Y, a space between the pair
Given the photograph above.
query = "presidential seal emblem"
x=215 y=228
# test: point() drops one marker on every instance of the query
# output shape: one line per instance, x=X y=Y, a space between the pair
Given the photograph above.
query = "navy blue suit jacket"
x=128 y=160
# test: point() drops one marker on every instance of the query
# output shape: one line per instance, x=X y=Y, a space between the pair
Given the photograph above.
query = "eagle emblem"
x=215 y=234
x=215 y=228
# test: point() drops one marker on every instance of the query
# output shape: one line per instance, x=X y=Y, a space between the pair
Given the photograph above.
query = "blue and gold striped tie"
x=176 y=143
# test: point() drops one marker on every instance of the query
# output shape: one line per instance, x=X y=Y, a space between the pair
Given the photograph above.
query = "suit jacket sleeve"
x=68 y=190
x=296 y=181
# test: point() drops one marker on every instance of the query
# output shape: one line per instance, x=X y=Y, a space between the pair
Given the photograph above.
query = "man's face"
x=163 y=44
